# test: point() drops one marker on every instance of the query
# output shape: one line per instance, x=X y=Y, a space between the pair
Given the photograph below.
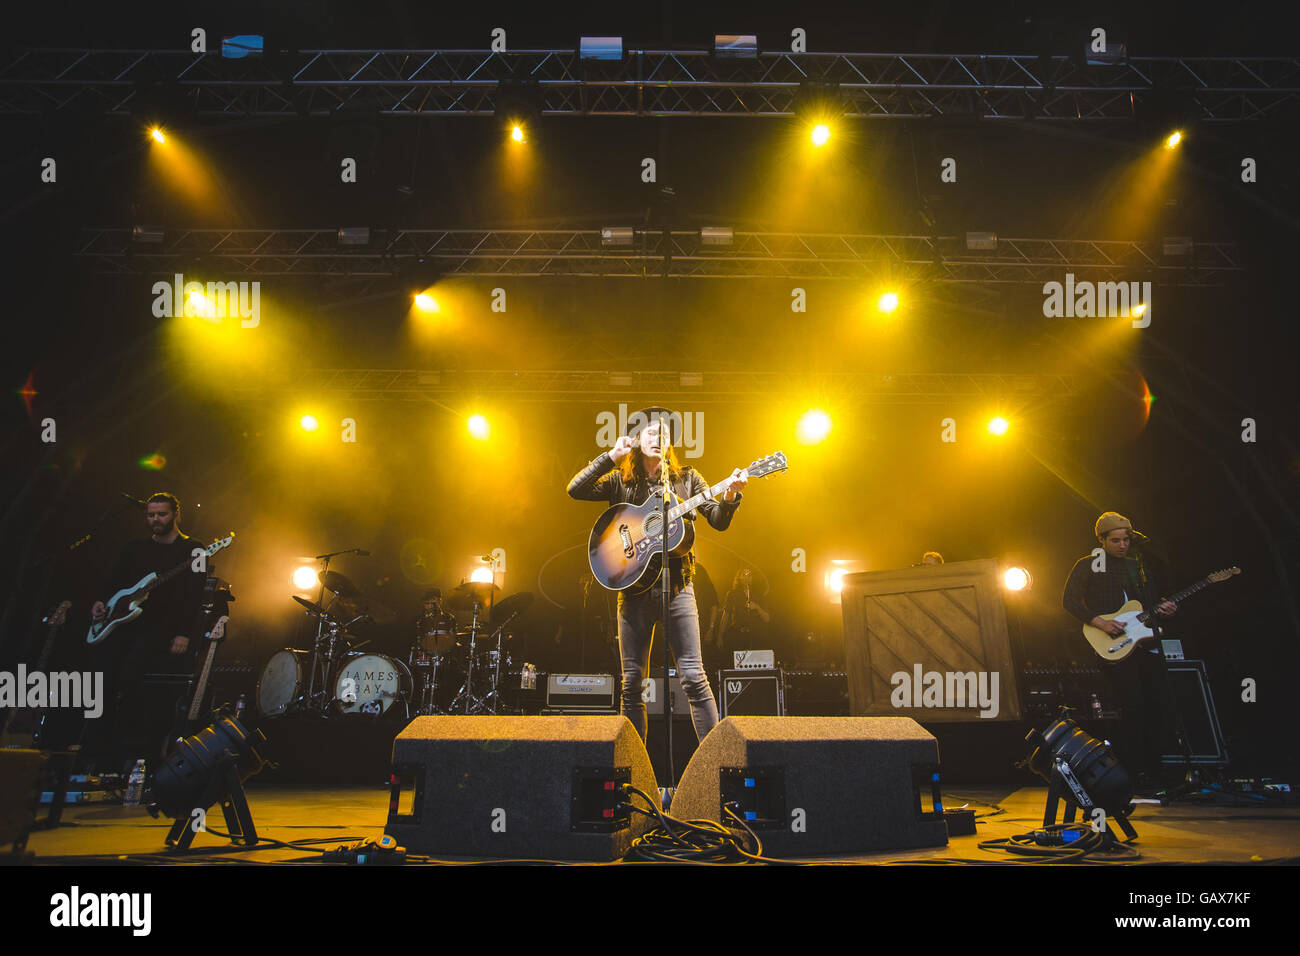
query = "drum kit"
x=335 y=677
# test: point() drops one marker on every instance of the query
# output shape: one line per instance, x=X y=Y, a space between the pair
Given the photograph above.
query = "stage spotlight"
x=821 y=134
x=998 y=425
x=1016 y=579
x=1080 y=768
x=479 y=428
x=1174 y=139
x=813 y=427
x=309 y=423
x=482 y=575
x=209 y=768
x=1138 y=309
x=304 y=578
x=157 y=134
x=835 y=580
x=517 y=133
x=887 y=302
x=426 y=303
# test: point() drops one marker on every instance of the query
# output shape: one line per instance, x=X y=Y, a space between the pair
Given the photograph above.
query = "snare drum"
x=281 y=682
x=371 y=683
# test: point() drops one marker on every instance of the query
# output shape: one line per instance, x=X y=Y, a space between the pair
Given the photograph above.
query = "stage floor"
x=1181 y=833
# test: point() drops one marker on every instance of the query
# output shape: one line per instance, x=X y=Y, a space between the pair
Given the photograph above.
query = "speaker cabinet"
x=816 y=786
x=1189 y=689
x=518 y=787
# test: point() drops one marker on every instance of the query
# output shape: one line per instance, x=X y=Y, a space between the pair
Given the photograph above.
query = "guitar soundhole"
x=652 y=526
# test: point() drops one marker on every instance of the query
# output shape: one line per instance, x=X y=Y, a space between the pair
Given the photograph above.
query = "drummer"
x=432 y=608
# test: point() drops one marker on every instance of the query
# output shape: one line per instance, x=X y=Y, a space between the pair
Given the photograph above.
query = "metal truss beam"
x=646 y=83
x=415 y=385
x=316 y=253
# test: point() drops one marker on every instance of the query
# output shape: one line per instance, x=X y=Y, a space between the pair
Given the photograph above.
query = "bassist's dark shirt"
x=601 y=481
x=170 y=611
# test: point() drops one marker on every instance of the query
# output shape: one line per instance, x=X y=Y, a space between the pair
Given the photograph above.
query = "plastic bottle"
x=135 y=785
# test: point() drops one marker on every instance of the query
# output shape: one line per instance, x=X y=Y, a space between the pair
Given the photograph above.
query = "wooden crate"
x=947 y=618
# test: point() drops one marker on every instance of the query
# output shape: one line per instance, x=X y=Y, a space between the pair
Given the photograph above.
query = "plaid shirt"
x=1089 y=593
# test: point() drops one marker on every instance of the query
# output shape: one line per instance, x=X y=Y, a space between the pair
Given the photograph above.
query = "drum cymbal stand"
x=494 y=696
x=473 y=705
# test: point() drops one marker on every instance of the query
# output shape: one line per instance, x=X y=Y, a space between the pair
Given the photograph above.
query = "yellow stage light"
x=998 y=425
x=157 y=134
x=1016 y=579
x=1174 y=139
x=479 y=427
x=835 y=579
x=821 y=134
x=814 y=426
x=1138 y=309
x=426 y=303
x=483 y=574
x=888 y=302
x=304 y=578
x=517 y=133
x=309 y=423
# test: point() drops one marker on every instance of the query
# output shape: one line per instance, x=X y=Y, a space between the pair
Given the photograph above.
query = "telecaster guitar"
x=127 y=604
x=1116 y=647
x=626 y=539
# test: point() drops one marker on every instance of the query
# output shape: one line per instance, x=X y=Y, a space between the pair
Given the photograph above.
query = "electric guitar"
x=188 y=719
x=24 y=728
x=626 y=539
x=125 y=605
x=1116 y=647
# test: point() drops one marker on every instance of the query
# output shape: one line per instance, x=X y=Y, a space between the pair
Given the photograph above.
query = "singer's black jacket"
x=601 y=481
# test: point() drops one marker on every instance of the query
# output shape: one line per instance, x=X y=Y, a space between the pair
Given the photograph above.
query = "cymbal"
x=311 y=606
x=376 y=611
x=464 y=596
x=508 y=607
x=341 y=586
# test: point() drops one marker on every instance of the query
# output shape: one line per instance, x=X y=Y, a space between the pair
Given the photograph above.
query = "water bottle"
x=135 y=785
x=1096 y=706
x=240 y=705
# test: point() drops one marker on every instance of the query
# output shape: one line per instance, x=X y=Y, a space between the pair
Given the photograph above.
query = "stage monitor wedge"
x=499 y=787
x=820 y=786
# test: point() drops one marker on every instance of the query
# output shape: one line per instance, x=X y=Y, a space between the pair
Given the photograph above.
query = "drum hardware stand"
x=310 y=697
x=467 y=689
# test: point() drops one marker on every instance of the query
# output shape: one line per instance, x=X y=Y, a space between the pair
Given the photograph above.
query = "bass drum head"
x=280 y=683
x=369 y=684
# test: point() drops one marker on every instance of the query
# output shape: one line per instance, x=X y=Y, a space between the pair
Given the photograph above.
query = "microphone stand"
x=1171 y=699
x=665 y=489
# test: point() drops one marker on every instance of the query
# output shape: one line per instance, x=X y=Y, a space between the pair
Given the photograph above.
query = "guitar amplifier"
x=579 y=693
x=753 y=660
x=751 y=693
x=652 y=694
x=1189 y=689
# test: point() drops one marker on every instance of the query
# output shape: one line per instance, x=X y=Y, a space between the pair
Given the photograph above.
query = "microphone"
x=362 y=553
x=486 y=557
x=139 y=503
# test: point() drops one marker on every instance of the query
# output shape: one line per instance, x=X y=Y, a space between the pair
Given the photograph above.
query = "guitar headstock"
x=56 y=617
x=220 y=543
x=219 y=629
x=765 y=466
x=1223 y=575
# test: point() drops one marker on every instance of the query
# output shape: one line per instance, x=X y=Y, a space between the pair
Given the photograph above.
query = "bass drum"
x=281 y=682
x=369 y=684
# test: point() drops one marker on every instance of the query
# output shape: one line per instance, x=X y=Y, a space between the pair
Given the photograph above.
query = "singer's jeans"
x=636 y=617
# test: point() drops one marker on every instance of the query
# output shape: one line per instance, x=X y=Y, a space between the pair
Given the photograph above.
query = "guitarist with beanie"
x=1100 y=584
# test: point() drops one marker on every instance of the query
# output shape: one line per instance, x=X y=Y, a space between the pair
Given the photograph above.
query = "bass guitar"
x=1116 y=647
x=127 y=604
x=626 y=539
